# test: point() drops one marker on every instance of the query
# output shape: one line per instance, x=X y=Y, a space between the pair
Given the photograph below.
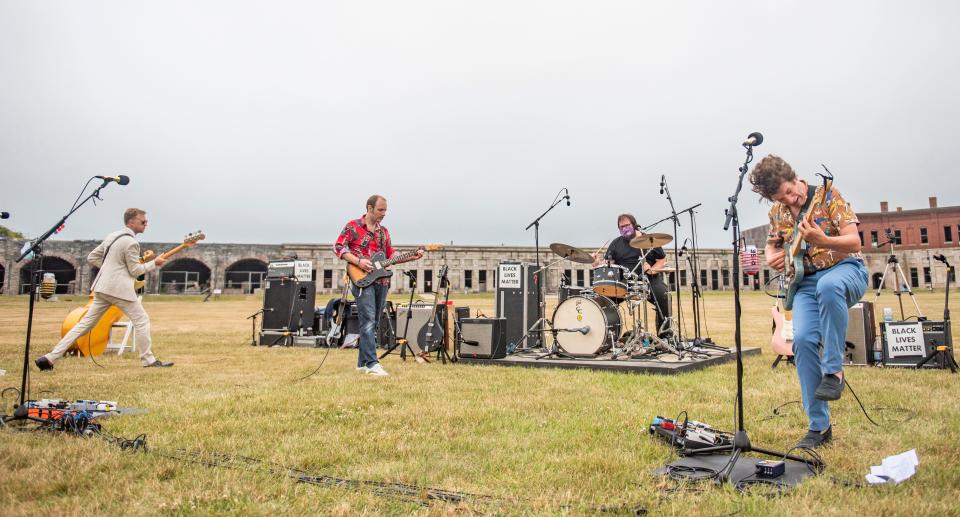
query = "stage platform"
x=664 y=364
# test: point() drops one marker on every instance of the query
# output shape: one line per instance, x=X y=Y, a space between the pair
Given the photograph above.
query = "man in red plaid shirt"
x=358 y=242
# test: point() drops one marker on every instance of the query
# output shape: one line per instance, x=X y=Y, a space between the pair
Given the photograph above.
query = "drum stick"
x=604 y=246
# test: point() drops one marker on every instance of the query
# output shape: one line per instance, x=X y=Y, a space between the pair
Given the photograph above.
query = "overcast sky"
x=271 y=122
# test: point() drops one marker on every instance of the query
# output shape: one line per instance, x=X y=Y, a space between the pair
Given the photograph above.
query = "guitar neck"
x=174 y=251
x=399 y=258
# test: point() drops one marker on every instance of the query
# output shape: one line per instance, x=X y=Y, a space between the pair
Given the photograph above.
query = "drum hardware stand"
x=34 y=250
x=899 y=279
x=944 y=353
x=402 y=342
x=555 y=348
x=741 y=441
x=541 y=305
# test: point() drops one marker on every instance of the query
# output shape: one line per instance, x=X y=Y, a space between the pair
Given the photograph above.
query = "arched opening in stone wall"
x=245 y=274
x=3 y=277
x=184 y=275
x=64 y=272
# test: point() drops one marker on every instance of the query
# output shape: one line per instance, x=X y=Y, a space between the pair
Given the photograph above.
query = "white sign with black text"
x=905 y=339
x=510 y=275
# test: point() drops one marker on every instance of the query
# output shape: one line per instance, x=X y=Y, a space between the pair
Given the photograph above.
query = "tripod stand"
x=900 y=280
x=741 y=441
x=944 y=353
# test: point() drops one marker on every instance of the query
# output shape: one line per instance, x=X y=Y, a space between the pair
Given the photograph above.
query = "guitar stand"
x=402 y=342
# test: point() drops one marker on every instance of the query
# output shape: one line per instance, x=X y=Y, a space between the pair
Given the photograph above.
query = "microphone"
x=567 y=196
x=683 y=249
x=753 y=139
x=940 y=258
x=121 y=179
x=583 y=330
x=4 y=215
x=663 y=181
x=468 y=342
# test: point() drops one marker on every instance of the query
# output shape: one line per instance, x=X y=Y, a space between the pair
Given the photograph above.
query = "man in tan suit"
x=118 y=258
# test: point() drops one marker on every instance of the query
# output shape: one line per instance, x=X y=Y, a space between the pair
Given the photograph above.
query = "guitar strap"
x=105 y=255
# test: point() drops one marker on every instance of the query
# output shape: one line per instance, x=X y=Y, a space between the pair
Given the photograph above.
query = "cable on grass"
x=311 y=374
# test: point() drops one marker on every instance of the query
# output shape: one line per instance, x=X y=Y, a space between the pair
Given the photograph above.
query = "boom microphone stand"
x=538 y=326
x=35 y=250
x=741 y=442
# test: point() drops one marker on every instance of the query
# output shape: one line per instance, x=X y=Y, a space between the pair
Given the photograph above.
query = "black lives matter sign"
x=905 y=339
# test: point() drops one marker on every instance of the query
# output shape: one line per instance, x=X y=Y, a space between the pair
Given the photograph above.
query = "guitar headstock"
x=194 y=238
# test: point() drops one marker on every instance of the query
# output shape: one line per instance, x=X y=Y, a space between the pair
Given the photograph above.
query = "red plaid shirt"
x=357 y=239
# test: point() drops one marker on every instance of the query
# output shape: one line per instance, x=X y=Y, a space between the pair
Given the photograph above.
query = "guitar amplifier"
x=288 y=304
x=861 y=335
x=419 y=324
x=906 y=343
x=483 y=338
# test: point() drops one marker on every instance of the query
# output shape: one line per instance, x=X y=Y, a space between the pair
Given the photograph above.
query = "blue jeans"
x=820 y=316
x=370 y=302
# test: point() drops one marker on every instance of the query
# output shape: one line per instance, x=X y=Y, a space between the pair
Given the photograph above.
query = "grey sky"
x=273 y=121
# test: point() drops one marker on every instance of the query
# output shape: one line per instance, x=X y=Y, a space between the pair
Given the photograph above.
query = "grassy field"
x=532 y=441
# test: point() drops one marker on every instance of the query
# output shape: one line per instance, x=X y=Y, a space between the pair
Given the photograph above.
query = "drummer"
x=621 y=253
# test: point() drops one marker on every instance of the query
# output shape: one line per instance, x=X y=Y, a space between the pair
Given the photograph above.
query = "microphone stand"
x=946 y=351
x=36 y=249
x=538 y=326
x=253 y=331
x=678 y=336
x=741 y=441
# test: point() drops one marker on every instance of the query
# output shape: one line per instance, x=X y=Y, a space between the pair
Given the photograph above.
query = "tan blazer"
x=120 y=267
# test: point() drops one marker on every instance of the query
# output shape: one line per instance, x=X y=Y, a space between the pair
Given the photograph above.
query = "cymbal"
x=650 y=240
x=571 y=253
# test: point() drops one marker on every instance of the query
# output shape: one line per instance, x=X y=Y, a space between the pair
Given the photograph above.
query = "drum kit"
x=588 y=321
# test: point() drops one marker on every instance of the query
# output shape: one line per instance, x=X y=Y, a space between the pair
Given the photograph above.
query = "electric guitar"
x=782 y=340
x=336 y=328
x=434 y=340
x=361 y=278
x=190 y=240
x=793 y=259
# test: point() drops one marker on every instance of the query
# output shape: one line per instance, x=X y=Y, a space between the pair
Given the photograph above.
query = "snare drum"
x=598 y=315
x=610 y=281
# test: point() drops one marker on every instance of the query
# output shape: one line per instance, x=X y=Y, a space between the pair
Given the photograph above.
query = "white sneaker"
x=363 y=369
x=377 y=370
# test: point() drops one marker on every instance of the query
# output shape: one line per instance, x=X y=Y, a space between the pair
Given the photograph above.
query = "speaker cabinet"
x=483 y=338
x=861 y=335
x=288 y=304
x=419 y=326
x=517 y=302
x=906 y=343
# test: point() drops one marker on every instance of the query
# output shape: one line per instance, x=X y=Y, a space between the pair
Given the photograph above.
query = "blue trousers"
x=820 y=316
x=370 y=302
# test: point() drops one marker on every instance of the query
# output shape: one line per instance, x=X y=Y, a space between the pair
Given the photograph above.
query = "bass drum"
x=598 y=314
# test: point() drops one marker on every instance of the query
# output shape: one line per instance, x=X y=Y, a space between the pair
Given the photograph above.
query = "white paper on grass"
x=894 y=469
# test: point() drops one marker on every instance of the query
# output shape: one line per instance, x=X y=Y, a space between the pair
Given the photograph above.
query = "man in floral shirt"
x=834 y=279
x=358 y=242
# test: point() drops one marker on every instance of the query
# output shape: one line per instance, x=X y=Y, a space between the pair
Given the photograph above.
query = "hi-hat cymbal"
x=650 y=240
x=571 y=253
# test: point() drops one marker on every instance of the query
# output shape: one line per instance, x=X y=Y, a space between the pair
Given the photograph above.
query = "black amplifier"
x=906 y=343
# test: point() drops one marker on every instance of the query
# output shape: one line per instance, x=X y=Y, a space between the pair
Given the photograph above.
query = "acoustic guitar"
x=361 y=278
x=95 y=341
